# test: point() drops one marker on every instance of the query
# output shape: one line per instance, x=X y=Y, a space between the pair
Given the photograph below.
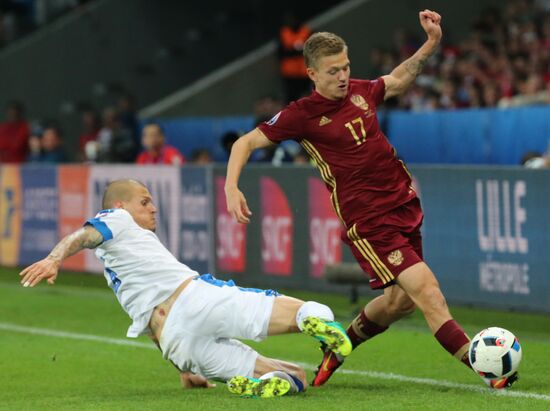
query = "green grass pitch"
x=62 y=348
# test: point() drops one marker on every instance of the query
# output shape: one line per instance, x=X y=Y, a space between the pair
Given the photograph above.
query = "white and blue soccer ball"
x=495 y=353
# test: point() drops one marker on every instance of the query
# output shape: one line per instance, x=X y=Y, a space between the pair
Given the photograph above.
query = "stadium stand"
x=134 y=46
x=206 y=107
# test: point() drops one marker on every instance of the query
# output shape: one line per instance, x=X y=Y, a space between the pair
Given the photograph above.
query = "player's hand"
x=190 y=380
x=431 y=23
x=46 y=269
x=236 y=206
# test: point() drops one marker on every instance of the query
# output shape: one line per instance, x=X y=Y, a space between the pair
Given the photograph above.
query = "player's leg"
x=379 y=314
x=423 y=288
x=419 y=282
x=317 y=320
x=265 y=365
x=245 y=371
x=382 y=253
x=284 y=313
x=188 y=340
x=374 y=319
x=270 y=378
x=246 y=313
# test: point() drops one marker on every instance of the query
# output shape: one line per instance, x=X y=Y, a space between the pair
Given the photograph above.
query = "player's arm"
x=190 y=380
x=47 y=268
x=240 y=152
x=401 y=78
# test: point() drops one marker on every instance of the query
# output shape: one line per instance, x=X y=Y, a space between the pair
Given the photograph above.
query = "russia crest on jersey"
x=273 y=119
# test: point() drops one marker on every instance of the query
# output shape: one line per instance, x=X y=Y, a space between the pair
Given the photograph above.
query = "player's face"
x=142 y=208
x=331 y=75
x=152 y=138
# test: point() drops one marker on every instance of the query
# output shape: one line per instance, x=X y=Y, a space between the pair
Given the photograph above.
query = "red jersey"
x=85 y=138
x=168 y=155
x=356 y=161
x=14 y=140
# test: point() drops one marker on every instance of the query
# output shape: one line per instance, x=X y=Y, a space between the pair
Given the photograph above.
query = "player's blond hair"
x=322 y=44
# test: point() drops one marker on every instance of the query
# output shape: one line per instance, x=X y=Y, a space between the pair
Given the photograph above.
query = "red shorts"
x=387 y=245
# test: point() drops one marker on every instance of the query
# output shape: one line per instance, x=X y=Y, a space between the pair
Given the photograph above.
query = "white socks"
x=295 y=384
x=313 y=309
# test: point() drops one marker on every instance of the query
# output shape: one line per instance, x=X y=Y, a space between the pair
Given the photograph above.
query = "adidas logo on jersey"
x=324 y=121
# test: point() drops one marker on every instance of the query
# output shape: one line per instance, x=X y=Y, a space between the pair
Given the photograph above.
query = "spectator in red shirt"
x=91 y=125
x=156 y=150
x=14 y=135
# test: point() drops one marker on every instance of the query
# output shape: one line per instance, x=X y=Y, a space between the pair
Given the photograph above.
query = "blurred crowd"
x=116 y=136
x=504 y=62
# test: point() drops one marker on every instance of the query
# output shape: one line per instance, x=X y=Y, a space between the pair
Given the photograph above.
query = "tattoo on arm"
x=86 y=237
x=414 y=67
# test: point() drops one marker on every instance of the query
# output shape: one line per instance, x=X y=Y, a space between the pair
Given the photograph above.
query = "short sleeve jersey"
x=357 y=163
x=139 y=269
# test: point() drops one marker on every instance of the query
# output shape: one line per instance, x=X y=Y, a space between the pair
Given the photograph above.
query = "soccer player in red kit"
x=370 y=188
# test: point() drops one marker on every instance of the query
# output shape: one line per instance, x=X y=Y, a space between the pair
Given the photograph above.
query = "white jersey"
x=139 y=269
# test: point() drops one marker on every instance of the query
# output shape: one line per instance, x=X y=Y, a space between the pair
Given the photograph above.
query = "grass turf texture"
x=50 y=372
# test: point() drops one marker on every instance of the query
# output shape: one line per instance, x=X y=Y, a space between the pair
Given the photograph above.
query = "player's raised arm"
x=47 y=268
x=240 y=152
x=401 y=78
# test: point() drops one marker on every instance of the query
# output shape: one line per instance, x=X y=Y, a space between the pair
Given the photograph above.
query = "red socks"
x=452 y=337
x=361 y=329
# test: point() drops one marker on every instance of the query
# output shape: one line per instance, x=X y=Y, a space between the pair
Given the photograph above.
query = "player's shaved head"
x=119 y=190
x=322 y=44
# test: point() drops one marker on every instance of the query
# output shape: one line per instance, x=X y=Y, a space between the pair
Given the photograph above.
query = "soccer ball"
x=495 y=353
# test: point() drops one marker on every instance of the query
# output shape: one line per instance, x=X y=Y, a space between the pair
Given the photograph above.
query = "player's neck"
x=327 y=96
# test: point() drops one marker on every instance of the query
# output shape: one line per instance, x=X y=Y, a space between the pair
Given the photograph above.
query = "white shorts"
x=198 y=335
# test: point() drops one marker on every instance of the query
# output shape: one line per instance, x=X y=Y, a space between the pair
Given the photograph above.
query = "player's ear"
x=312 y=74
x=118 y=204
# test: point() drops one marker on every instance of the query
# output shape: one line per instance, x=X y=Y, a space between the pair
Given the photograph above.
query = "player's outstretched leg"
x=270 y=385
x=317 y=320
x=374 y=319
x=330 y=333
x=420 y=284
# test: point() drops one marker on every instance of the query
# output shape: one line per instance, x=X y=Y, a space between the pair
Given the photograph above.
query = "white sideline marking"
x=438 y=383
x=74 y=336
x=371 y=374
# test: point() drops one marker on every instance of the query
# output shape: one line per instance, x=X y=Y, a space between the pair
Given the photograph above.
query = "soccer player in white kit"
x=194 y=319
